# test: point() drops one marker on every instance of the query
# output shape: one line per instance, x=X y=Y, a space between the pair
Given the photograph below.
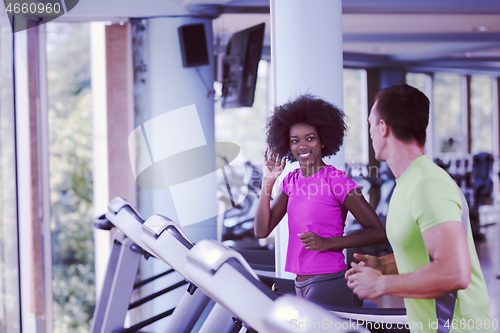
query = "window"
x=447 y=114
x=9 y=262
x=246 y=126
x=418 y=80
x=481 y=118
x=423 y=82
x=70 y=148
x=355 y=109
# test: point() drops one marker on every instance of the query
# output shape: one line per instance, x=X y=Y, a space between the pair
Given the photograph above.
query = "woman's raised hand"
x=273 y=165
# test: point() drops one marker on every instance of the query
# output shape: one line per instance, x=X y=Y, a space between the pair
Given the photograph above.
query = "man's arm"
x=449 y=271
x=385 y=264
x=388 y=264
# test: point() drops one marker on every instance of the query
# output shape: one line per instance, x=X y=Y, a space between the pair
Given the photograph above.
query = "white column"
x=429 y=142
x=464 y=110
x=45 y=178
x=306 y=52
x=171 y=87
x=23 y=176
x=102 y=244
x=495 y=129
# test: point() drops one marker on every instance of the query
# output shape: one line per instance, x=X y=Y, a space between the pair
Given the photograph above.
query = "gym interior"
x=96 y=103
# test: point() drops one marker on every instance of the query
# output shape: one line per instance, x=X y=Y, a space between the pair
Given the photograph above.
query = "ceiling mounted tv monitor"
x=240 y=63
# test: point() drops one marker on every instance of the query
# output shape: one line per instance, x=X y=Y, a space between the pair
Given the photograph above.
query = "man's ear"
x=384 y=129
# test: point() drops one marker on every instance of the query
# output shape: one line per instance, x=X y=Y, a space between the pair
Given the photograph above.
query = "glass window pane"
x=417 y=80
x=70 y=148
x=447 y=113
x=481 y=119
x=423 y=82
x=245 y=126
x=9 y=264
x=355 y=109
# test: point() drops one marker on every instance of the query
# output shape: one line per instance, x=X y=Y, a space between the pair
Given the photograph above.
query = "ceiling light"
x=481 y=28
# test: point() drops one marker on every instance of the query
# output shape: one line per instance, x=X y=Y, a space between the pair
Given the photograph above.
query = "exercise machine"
x=215 y=271
x=120 y=278
x=167 y=241
x=226 y=277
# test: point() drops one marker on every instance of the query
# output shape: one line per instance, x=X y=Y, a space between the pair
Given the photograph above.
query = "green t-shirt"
x=425 y=196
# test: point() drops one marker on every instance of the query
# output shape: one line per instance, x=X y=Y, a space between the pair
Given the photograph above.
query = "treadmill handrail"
x=157 y=224
x=118 y=203
x=368 y=311
x=211 y=255
x=288 y=310
x=388 y=315
x=372 y=317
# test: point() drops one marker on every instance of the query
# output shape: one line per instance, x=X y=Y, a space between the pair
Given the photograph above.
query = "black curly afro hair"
x=326 y=118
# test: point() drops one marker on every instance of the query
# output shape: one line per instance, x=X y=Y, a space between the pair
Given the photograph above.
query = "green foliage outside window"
x=356 y=117
x=70 y=147
x=447 y=113
x=245 y=126
x=481 y=119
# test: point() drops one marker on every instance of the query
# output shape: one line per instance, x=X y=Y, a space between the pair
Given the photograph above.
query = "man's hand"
x=365 y=260
x=365 y=281
x=313 y=242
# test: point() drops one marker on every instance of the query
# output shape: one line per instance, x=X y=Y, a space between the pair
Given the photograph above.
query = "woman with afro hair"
x=316 y=197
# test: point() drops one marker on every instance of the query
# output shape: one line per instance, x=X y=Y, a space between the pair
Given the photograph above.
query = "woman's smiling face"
x=305 y=144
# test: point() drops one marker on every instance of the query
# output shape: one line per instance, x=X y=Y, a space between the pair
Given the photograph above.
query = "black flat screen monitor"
x=240 y=63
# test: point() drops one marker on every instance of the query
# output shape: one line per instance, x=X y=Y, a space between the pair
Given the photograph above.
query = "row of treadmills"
x=212 y=271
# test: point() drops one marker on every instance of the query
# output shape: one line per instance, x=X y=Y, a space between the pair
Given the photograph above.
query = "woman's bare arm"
x=373 y=231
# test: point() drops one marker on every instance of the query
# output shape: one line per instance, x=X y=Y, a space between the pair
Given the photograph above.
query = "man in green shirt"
x=435 y=265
